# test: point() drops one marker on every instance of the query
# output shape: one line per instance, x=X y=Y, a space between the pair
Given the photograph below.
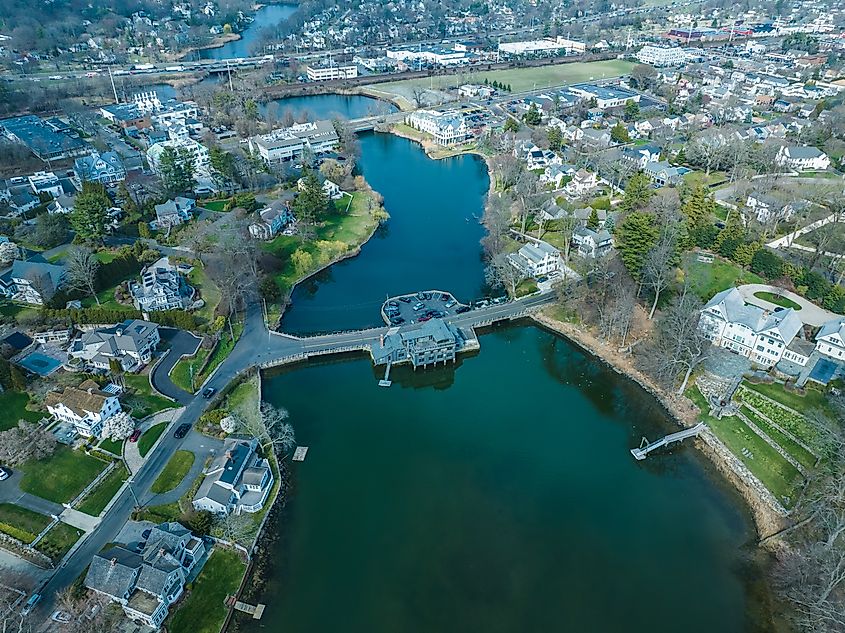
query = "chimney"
x=113 y=562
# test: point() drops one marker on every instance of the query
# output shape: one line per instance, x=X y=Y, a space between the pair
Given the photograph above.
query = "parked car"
x=30 y=604
x=208 y=392
x=424 y=318
x=463 y=309
x=419 y=307
x=451 y=303
x=182 y=430
x=146 y=534
x=60 y=616
x=5 y=473
x=135 y=435
x=397 y=321
x=405 y=299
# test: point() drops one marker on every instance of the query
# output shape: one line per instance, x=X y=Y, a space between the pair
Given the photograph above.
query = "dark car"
x=146 y=534
x=208 y=392
x=423 y=318
x=135 y=435
x=182 y=430
x=463 y=309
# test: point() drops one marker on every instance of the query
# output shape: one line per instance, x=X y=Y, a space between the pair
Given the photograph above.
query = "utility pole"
x=229 y=71
x=114 y=90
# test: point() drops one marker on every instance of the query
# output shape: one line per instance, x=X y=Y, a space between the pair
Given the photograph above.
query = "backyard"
x=203 y=610
x=95 y=501
x=706 y=279
x=62 y=476
x=13 y=405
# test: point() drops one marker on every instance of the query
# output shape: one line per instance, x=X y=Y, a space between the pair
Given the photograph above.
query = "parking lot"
x=420 y=307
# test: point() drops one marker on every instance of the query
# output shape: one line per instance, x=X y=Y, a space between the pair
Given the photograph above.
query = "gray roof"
x=834 y=326
x=113 y=571
x=34 y=271
x=798 y=151
x=730 y=303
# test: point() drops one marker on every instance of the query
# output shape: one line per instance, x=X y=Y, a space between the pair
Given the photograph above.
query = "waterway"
x=435 y=506
x=327 y=106
x=267 y=16
x=432 y=240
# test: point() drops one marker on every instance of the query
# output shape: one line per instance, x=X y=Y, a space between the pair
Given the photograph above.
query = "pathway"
x=810 y=313
x=788 y=241
x=77 y=519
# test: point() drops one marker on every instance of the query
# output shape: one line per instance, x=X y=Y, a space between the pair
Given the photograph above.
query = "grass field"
x=149 y=437
x=801 y=454
x=58 y=540
x=813 y=398
x=708 y=279
x=21 y=523
x=113 y=447
x=62 y=476
x=181 y=373
x=96 y=500
x=243 y=400
x=778 y=300
x=203 y=610
x=214 y=205
x=519 y=79
x=142 y=400
x=779 y=476
x=13 y=408
x=174 y=472
x=209 y=292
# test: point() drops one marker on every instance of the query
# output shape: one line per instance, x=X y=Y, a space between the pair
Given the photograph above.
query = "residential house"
x=62 y=205
x=537 y=259
x=148 y=582
x=767 y=207
x=173 y=212
x=830 y=340
x=130 y=343
x=45 y=183
x=762 y=336
x=162 y=287
x=31 y=281
x=271 y=221
x=196 y=152
x=447 y=128
x=582 y=183
x=106 y=168
x=801 y=158
x=662 y=174
x=555 y=174
x=592 y=243
x=595 y=139
x=238 y=480
x=639 y=157
x=330 y=189
x=85 y=407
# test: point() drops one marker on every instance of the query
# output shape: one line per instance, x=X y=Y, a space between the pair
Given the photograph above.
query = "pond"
x=269 y=15
x=328 y=106
x=434 y=506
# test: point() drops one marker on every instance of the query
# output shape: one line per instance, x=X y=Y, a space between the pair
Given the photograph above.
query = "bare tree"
x=497 y=215
x=271 y=428
x=659 y=264
x=82 y=267
x=501 y=273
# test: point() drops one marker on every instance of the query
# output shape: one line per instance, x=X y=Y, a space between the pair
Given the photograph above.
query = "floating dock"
x=300 y=453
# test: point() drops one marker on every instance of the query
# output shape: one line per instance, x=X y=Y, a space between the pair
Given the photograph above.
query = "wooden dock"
x=255 y=610
x=643 y=451
x=300 y=453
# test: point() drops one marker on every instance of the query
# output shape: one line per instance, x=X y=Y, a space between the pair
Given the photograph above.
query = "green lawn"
x=96 y=500
x=149 y=437
x=203 y=610
x=801 y=454
x=708 y=279
x=694 y=178
x=174 y=472
x=526 y=287
x=813 y=398
x=161 y=514
x=209 y=292
x=244 y=399
x=115 y=448
x=58 y=540
x=181 y=373
x=62 y=476
x=778 y=300
x=778 y=475
x=214 y=205
x=21 y=523
x=518 y=78
x=13 y=407
x=142 y=400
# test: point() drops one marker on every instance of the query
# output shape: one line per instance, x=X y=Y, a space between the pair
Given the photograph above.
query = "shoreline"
x=767 y=520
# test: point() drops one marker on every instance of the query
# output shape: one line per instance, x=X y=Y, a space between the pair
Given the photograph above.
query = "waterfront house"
x=162 y=287
x=85 y=407
x=238 y=480
x=130 y=343
x=428 y=343
x=537 y=259
x=447 y=128
x=271 y=220
x=287 y=143
x=146 y=583
x=758 y=334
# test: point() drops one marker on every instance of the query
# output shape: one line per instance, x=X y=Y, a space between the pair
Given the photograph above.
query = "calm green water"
x=432 y=239
x=499 y=496
x=328 y=106
x=267 y=16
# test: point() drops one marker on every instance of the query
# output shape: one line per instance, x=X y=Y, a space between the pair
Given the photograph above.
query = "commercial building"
x=661 y=56
x=47 y=139
x=447 y=128
x=605 y=96
x=428 y=343
x=287 y=143
x=328 y=73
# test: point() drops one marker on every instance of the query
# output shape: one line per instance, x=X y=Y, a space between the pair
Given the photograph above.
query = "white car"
x=60 y=616
x=5 y=473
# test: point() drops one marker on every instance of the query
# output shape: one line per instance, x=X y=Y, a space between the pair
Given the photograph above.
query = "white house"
x=31 y=282
x=582 y=182
x=173 y=212
x=801 y=158
x=238 y=480
x=830 y=341
x=85 y=407
x=162 y=287
x=447 y=128
x=747 y=330
x=767 y=208
x=537 y=259
x=661 y=55
x=196 y=152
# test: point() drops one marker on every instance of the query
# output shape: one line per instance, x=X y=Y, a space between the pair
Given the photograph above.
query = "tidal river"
x=498 y=495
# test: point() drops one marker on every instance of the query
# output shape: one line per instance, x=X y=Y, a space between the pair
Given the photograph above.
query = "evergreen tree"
x=609 y=224
x=730 y=237
x=632 y=110
x=698 y=208
x=311 y=202
x=593 y=220
x=555 y=137
x=638 y=192
x=533 y=116
x=176 y=169
x=125 y=199
x=90 y=211
x=619 y=134
x=511 y=125
x=635 y=237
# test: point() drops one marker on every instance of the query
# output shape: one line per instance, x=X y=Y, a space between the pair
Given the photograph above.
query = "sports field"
x=519 y=79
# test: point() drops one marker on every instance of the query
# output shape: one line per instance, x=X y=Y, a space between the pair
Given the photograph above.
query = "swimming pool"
x=40 y=364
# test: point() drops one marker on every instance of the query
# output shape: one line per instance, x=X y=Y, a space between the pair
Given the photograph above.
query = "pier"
x=643 y=451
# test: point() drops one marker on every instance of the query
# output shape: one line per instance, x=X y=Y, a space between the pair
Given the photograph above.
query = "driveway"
x=10 y=492
x=810 y=313
x=131 y=455
x=202 y=447
x=181 y=344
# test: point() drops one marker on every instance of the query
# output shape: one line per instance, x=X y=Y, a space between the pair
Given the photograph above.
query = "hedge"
x=169 y=318
x=22 y=535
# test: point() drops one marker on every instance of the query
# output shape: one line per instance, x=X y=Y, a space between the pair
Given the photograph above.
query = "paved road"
x=181 y=344
x=255 y=346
